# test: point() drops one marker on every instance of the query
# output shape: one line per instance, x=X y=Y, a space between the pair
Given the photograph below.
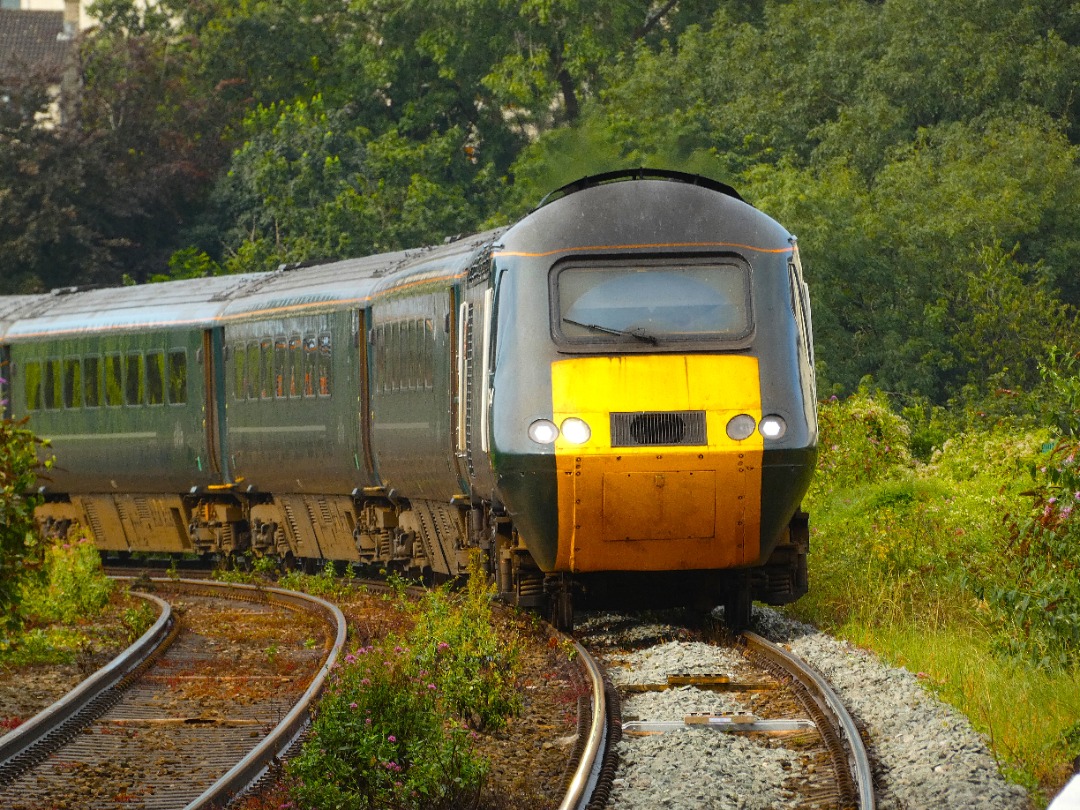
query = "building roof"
x=33 y=41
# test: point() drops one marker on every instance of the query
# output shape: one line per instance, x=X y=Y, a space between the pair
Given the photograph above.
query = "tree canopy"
x=925 y=154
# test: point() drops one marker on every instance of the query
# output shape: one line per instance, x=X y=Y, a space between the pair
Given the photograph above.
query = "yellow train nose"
x=658 y=483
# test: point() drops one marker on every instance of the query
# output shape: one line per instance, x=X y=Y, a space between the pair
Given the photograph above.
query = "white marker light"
x=772 y=427
x=543 y=431
x=575 y=430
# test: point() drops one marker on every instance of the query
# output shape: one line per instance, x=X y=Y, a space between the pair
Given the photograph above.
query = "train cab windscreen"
x=651 y=303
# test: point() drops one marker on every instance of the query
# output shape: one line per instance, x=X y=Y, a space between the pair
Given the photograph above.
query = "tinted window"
x=155 y=378
x=134 y=379
x=72 y=383
x=266 y=352
x=324 y=366
x=114 y=380
x=296 y=366
x=51 y=384
x=33 y=386
x=281 y=366
x=239 y=372
x=92 y=381
x=652 y=303
x=311 y=364
x=178 y=377
x=253 y=372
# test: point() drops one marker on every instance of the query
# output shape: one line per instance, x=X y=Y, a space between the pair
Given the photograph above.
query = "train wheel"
x=562 y=610
x=736 y=602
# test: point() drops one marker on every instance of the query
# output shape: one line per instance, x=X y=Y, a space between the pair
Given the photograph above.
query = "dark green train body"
x=615 y=392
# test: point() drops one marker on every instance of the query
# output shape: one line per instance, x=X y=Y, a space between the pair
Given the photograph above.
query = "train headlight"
x=740 y=427
x=772 y=427
x=543 y=431
x=576 y=431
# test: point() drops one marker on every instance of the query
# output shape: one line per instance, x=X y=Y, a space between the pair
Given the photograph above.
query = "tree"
x=310 y=184
x=48 y=179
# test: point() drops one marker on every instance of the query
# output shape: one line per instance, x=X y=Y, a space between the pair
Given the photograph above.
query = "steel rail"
x=69 y=710
x=579 y=792
x=857 y=781
x=273 y=747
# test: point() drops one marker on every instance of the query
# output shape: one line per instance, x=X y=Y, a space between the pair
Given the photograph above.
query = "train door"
x=212 y=357
x=473 y=384
x=364 y=360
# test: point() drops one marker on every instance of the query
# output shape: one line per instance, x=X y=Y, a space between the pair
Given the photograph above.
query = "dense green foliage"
x=913 y=559
x=396 y=724
x=1039 y=605
x=20 y=548
x=58 y=606
x=925 y=154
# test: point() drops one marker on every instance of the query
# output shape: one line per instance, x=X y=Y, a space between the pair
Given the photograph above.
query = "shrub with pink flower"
x=393 y=729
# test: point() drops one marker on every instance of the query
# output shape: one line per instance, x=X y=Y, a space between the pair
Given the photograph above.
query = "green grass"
x=905 y=560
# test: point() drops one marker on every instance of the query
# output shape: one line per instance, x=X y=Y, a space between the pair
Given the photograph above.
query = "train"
x=613 y=399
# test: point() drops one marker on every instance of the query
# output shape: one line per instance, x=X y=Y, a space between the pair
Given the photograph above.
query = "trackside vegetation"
x=396 y=726
x=20 y=548
x=958 y=560
x=50 y=592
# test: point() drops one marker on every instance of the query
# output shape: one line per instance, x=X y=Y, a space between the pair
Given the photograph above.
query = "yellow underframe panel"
x=657 y=508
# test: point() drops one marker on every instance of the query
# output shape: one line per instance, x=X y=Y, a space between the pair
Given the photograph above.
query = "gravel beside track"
x=925 y=754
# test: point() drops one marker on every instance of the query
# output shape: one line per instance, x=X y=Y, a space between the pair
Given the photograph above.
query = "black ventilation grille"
x=658 y=428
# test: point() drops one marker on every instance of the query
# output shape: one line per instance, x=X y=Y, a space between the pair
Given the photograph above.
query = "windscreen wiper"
x=638 y=333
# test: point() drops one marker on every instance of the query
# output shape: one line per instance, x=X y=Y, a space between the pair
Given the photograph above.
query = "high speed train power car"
x=613 y=398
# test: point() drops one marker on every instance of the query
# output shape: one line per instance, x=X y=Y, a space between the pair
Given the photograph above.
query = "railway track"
x=93 y=757
x=189 y=716
x=715 y=723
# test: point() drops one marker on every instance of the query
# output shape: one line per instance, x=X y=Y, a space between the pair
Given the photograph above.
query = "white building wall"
x=85 y=21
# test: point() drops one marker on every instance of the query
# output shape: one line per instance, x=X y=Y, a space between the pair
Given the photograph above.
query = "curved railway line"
x=85 y=750
x=188 y=716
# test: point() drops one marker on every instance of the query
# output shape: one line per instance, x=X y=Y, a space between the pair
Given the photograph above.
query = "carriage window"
x=134 y=379
x=114 y=381
x=378 y=341
x=266 y=353
x=33 y=386
x=240 y=372
x=178 y=376
x=652 y=303
x=72 y=383
x=155 y=378
x=253 y=384
x=429 y=354
x=311 y=364
x=52 y=384
x=296 y=366
x=324 y=365
x=281 y=366
x=92 y=382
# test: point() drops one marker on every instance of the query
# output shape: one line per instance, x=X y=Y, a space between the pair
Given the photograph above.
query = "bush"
x=382 y=738
x=394 y=727
x=20 y=547
x=861 y=440
x=1041 y=600
x=72 y=586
